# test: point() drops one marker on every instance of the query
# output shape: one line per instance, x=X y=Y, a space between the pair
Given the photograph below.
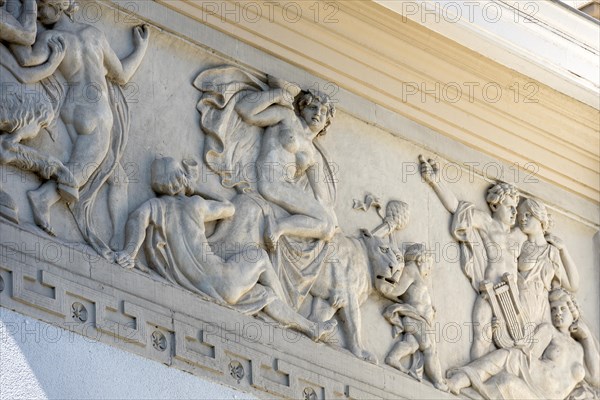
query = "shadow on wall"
x=42 y=361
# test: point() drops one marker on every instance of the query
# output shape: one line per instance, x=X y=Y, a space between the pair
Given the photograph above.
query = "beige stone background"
x=164 y=122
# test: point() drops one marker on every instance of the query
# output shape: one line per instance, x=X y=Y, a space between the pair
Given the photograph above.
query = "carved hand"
x=57 y=50
x=291 y=88
x=555 y=241
x=579 y=331
x=429 y=170
x=141 y=36
x=124 y=259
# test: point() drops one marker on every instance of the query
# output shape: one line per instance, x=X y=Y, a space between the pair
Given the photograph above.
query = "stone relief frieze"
x=266 y=240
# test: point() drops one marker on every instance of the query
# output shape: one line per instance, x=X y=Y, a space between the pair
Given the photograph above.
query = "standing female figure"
x=544 y=263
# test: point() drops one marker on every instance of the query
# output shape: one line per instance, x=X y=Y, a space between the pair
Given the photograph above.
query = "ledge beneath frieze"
x=70 y=286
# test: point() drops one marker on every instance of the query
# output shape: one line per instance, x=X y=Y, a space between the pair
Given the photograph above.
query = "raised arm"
x=121 y=71
x=430 y=174
x=394 y=291
x=568 y=274
x=21 y=31
x=265 y=108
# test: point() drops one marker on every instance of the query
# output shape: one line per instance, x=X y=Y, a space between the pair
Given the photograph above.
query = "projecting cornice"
x=373 y=52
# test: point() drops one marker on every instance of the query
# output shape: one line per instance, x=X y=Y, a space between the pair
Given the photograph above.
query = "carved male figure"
x=22 y=118
x=478 y=231
x=178 y=250
x=88 y=62
x=417 y=314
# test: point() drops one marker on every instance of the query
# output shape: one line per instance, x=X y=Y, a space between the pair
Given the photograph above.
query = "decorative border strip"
x=159 y=321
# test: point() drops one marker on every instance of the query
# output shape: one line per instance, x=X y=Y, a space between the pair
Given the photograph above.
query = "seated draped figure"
x=177 y=249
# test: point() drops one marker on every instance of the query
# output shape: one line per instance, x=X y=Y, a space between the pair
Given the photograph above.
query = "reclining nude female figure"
x=287 y=154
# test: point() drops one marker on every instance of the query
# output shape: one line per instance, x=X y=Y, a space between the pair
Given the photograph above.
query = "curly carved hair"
x=417 y=252
x=539 y=211
x=69 y=7
x=309 y=96
x=497 y=193
x=169 y=177
x=397 y=214
x=561 y=294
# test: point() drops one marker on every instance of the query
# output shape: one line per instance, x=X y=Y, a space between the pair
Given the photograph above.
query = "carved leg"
x=482 y=329
x=117 y=205
x=269 y=278
x=41 y=200
x=352 y=326
x=90 y=148
x=321 y=310
x=287 y=317
x=401 y=349
x=8 y=207
x=29 y=159
x=457 y=381
x=433 y=369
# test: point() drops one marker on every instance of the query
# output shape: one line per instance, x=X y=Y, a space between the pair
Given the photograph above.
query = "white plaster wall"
x=41 y=361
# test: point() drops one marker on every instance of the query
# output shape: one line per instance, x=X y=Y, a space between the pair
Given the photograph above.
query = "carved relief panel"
x=269 y=202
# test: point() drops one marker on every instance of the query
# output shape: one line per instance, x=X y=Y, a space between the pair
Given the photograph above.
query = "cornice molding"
x=373 y=52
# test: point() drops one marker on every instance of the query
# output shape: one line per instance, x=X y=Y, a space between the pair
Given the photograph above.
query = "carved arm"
x=135 y=230
x=20 y=31
x=37 y=73
x=581 y=332
x=568 y=275
x=430 y=173
x=121 y=71
x=255 y=108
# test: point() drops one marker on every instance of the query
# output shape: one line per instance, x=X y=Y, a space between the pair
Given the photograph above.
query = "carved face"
x=506 y=211
x=562 y=318
x=385 y=266
x=528 y=223
x=315 y=115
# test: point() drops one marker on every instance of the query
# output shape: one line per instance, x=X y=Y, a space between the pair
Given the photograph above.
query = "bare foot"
x=457 y=380
x=324 y=330
x=69 y=193
x=393 y=362
x=41 y=211
x=270 y=237
x=441 y=386
x=124 y=259
x=8 y=207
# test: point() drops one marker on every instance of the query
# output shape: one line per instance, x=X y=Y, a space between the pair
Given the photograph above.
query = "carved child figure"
x=88 y=62
x=415 y=315
x=489 y=244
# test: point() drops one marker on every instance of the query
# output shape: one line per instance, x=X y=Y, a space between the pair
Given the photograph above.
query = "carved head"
x=563 y=308
x=386 y=266
x=503 y=199
x=417 y=253
x=50 y=11
x=170 y=177
x=317 y=110
x=532 y=215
